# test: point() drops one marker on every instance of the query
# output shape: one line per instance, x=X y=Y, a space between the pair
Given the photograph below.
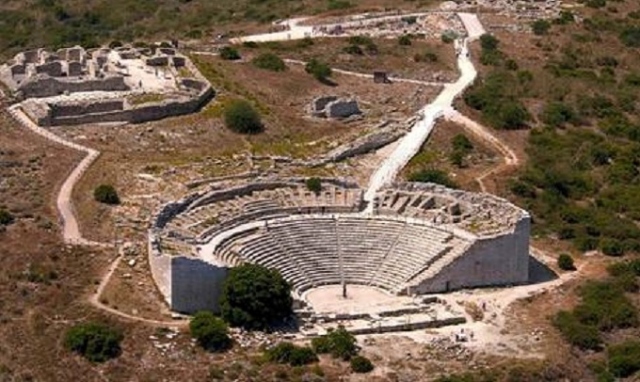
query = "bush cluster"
x=210 y=331
x=432 y=176
x=624 y=358
x=360 y=364
x=565 y=262
x=241 y=117
x=462 y=146
x=269 y=61
x=229 y=53
x=106 y=194
x=339 y=343
x=319 y=70
x=6 y=217
x=286 y=352
x=96 y=342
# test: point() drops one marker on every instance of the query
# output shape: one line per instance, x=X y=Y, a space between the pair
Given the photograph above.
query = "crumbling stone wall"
x=66 y=110
x=39 y=87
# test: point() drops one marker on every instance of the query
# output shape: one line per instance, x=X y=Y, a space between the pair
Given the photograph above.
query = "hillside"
x=57 y=23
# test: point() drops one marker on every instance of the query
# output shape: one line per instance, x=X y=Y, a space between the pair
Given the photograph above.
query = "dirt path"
x=511 y=160
x=70 y=228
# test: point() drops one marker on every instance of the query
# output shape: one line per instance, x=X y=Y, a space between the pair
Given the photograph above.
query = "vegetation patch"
x=242 y=118
x=254 y=297
x=269 y=61
x=106 y=194
x=96 y=342
x=210 y=332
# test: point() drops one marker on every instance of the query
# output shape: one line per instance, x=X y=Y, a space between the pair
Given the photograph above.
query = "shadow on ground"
x=539 y=272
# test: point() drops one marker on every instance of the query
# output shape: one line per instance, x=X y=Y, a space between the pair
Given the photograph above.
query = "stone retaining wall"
x=49 y=87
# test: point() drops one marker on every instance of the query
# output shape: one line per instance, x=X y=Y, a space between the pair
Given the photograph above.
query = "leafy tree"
x=319 y=70
x=360 y=364
x=269 y=61
x=5 y=217
x=210 y=331
x=565 y=262
x=106 y=193
x=254 y=297
x=314 y=185
x=339 y=343
x=229 y=53
x=242 y=118
x=96 y=342
x=404 y=40
x=540 y=27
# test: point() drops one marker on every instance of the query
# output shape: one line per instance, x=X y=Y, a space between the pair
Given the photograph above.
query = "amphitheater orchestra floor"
x=360 y=299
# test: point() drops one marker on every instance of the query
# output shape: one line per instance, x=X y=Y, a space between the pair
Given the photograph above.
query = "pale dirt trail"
x=484 y=134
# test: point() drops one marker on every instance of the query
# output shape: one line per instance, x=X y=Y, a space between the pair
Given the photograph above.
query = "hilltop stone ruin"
x=76 y=86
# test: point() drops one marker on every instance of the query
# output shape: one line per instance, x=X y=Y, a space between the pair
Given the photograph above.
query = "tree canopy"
x=106 y=194
x=254 y=297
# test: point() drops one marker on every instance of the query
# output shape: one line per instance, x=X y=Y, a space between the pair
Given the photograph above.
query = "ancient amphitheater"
x=418 y=239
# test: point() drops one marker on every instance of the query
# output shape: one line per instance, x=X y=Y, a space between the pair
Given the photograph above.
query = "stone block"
x=342 y=109
x=75 y=69
x=53 y=69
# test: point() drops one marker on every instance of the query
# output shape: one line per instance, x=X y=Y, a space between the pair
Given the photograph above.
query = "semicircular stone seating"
x=316 y=250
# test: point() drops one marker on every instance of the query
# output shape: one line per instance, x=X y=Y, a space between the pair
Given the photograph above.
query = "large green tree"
x=255 y=297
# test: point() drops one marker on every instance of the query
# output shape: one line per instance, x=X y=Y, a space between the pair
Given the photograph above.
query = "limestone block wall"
x=196 y=285
x=160 y=266
x=39 y=87
x=503 y=260
x=64 y=110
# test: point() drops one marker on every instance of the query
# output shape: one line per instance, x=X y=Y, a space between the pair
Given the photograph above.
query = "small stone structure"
x=380 y=77
x=334 y=107
x=77 y=86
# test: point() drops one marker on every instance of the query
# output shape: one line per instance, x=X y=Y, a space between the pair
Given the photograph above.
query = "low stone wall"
x=75 y=109
x=114 y=111
x=39 y=87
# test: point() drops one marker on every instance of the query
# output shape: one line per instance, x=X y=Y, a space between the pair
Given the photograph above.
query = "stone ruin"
x=333 y=107
x=76 y=86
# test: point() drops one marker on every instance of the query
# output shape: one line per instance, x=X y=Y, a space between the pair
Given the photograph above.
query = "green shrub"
x=624 y=359
x=210 y=332
x=404 y=40
x=425 y=57
x=96 y=342
x=556 y=114
x=605 y=306
x=6 y=217
x=106 y=194
x=540 y=27
x=269 y=61
x=339 y=343
x=583 y=336
x=229 y=53
x=460 y=142
x=565 y=262
x=353 y=50
x=631 y=37
x=612 y=247
x=314 y=185
x=360 y=364
x=254 y=297
x=286 y=352
x=333 y=5
x=432 y=176
x=241 y=117
x=489 y=42
x=319 y=70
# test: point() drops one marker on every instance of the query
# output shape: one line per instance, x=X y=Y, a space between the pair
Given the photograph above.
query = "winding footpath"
x=70 y=229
